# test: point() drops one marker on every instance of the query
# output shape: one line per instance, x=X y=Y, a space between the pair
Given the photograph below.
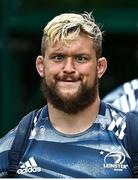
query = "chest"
x=97 y=153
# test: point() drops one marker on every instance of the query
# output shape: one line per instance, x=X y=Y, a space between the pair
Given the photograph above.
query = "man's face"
x=70 y=75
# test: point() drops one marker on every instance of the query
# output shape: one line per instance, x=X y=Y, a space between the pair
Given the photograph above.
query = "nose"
x=69 y=66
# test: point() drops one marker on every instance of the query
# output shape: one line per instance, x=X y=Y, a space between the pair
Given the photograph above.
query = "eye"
x=57 y=58
x=81 y=59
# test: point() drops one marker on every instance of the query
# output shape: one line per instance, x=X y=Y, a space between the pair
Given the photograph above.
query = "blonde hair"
x=68 y=26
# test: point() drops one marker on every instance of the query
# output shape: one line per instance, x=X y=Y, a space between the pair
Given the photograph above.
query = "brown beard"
x=85 y=97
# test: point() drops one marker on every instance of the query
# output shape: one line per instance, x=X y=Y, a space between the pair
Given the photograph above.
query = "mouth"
x=69 y=79
x=68 y=82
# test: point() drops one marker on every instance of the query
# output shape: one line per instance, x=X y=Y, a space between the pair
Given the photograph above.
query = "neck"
x=74 y=123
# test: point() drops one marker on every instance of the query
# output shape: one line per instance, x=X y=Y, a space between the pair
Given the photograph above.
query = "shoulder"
x=7 y=140
x=117 y=112
x=122 y=121
x=5 y=146
x=116 y=121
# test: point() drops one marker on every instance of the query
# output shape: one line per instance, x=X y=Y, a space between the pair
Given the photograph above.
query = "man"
x=125 y=97
x=75 y=135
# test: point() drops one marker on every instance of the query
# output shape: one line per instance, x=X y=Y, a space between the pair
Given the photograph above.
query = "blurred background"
x=22 y=22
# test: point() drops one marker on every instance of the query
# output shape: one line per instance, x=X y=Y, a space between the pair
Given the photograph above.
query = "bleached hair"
x=68 y=26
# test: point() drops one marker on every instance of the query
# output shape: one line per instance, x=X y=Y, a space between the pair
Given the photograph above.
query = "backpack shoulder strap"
x=132 y=136
x=20 y=141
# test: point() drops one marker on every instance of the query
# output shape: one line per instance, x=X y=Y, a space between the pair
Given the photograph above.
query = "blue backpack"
x=26 y=124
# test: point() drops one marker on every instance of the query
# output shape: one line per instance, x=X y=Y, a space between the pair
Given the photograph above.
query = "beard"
x=83 y=98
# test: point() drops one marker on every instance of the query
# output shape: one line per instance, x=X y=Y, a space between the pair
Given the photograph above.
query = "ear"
x=101 y=67
x=40 y=65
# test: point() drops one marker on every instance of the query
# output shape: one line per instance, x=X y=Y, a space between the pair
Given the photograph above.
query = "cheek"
x=90 y=75
x=88 y=71
x=52 y=68
x=50 y=73
x=49 y=69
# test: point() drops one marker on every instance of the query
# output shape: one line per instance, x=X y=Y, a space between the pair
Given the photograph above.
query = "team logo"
x=115 y=161
x=29 y=167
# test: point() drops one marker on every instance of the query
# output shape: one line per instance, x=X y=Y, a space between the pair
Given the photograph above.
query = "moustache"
x=66 y=77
